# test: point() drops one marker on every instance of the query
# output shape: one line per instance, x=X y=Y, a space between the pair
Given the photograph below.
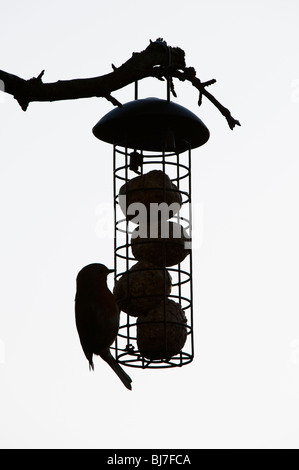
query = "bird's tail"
x=126 y=380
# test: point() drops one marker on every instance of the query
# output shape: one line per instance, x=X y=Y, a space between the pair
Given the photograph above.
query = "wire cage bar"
x=127 y=350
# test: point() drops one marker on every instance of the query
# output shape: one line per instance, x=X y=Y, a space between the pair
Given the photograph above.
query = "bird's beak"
x=111 y=271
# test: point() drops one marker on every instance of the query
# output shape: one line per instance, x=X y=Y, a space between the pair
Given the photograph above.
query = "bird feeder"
x=152 y=142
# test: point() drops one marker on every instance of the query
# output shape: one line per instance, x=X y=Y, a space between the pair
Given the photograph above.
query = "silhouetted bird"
x=97 y=317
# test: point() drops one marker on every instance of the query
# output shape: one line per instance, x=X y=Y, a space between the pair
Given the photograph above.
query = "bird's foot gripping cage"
x=152 y=139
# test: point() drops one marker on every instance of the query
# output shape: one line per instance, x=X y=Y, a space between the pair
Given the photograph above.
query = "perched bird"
x=97 y=317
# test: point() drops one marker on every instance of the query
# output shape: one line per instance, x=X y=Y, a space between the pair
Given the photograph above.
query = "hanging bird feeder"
x=152 y=141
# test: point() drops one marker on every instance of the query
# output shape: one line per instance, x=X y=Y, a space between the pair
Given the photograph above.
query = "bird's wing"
x=85 y=314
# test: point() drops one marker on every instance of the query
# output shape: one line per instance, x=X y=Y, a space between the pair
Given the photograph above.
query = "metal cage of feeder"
x=150 y=135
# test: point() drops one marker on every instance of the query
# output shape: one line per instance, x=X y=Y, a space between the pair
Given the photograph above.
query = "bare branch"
x=158 y=60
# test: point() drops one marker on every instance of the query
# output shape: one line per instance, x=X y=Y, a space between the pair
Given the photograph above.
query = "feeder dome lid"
x=152 y=124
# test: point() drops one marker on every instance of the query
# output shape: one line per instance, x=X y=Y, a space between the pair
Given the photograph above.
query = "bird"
x=97 y=317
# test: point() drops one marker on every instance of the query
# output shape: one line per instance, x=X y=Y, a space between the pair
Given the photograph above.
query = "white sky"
x=242 y=388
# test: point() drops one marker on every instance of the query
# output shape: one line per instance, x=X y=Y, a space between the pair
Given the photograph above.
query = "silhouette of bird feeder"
x=153 y=138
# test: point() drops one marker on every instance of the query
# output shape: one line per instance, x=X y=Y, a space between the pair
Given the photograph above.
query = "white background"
x=242 y=388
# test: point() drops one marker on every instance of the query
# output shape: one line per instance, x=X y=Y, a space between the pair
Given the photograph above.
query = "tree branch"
x=158 y=60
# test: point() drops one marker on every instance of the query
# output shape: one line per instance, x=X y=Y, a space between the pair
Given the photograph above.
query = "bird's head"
x=93 y=273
